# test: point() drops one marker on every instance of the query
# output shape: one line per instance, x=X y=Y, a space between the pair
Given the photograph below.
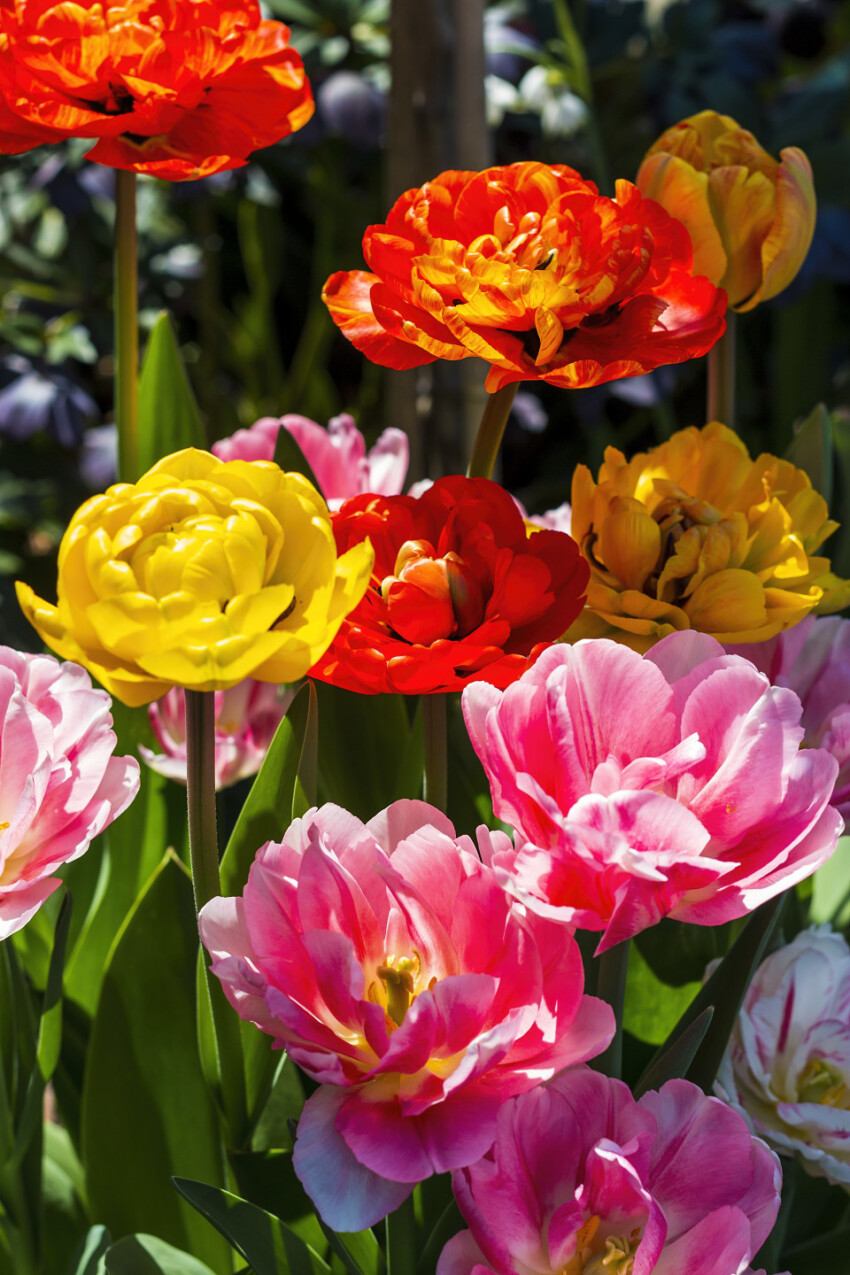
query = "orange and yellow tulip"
x=750 y=217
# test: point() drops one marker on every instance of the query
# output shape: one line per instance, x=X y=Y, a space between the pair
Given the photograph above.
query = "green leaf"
x=88 y=1258
x=262 y=1239
x=359 y=1251
x=369 y=754
x=265 y=815
x=64 y=1218
x=831 y=892
x=652 y=1008
x=674 y=1062
x=450 y=1222
x=148 y=1255
x=828 y=1253
x=50 y=1025
x=49 y=1041
x=288 y=454
x=725 y=990
x=812 y=450
x=147 y=1112
x=129 y=851
x=839 y=543
x=168 y=414
x=678 y=953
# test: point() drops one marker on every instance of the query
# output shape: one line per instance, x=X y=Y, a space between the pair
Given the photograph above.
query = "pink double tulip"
x=59 y=781
x=671 y=784
x=584 y=1180
x=390 y=964
x=813 y=659
x=337 y=455
x=246 y=718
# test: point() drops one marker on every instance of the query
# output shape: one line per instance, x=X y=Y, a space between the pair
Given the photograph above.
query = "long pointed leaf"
x=674 y=1063
x=168 y=414
x=724 y=990
x=147 y=1112
x=263 y=1240
x=265 y=815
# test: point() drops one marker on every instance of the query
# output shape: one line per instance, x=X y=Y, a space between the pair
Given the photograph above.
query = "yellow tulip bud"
x=750 y=217
x=696 y=535
x=202 y=573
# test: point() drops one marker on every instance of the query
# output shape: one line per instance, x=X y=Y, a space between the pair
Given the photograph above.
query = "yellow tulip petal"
x=629 y=545
x=683 y=192
x=726 y=602
x=743 y=205
x=785 y=248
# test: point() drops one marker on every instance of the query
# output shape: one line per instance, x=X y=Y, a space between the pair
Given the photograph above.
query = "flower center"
x=615 y=1255
x=822 y=1084
x=399 y=978
x=429 y=598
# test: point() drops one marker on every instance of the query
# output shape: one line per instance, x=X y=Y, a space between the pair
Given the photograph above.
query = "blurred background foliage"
x=239 y=259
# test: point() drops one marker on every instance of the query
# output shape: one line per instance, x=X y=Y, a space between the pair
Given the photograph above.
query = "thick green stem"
x=206 y=883
x=721 y=376
x=611 y=987
x=436 y=766
x=401 y=1239
x=126 y=301
x=488 y=440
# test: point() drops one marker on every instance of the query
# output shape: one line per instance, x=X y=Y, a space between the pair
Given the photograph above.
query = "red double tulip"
x=460 y=592
x=531 y=269
x=174 y=89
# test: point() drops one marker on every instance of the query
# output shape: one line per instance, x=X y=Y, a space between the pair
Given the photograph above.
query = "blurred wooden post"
x=437 y=120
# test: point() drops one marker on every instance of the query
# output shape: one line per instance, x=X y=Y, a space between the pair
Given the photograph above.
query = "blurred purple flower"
x=352 y=108
x=99 y=457
x=39 y=401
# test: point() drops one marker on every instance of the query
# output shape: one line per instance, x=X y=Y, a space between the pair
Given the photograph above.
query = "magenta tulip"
x=584 y=1180
x=389 y=963
x=671 y=784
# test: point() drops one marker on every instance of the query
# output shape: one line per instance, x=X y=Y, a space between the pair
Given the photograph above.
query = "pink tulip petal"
x=348 y=1196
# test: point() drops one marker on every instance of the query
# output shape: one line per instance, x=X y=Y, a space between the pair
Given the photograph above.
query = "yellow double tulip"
x=202 y=573
x=696 y=535
x=750 y=217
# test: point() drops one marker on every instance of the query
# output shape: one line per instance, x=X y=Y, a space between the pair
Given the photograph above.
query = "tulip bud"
x=750 y=217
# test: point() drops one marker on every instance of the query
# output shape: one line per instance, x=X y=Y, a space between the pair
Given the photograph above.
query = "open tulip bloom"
x=529 y=268
x=389 y=963
x=174 y=90
x=668 y=785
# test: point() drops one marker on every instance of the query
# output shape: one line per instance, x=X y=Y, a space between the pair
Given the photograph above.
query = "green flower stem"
x=488 y=440
x=436 y=765
x=126 y=302
x=401 y=1239
x=611 y=987
x=721 y=376
x=206 y=883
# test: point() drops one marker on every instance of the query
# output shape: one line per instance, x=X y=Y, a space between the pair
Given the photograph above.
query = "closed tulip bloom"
x=174 y=90
x=671 y=784
x=584 y=1180
x=694 y=534
x=201 y=574
x=750 y=217
x=246 y=718
x=528 y=267
x=60 y=782
x=461 y=590
x=787 y=1067
x=337 y=455
x=392 y=967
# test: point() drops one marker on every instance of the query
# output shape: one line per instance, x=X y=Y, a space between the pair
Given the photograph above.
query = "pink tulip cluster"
x=337 y=455
x=246 y=718
x=391 y=965
x=584 y=1180
x=671 y=784
x=787 y=1068
x=60 y=783
x=813 y=660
